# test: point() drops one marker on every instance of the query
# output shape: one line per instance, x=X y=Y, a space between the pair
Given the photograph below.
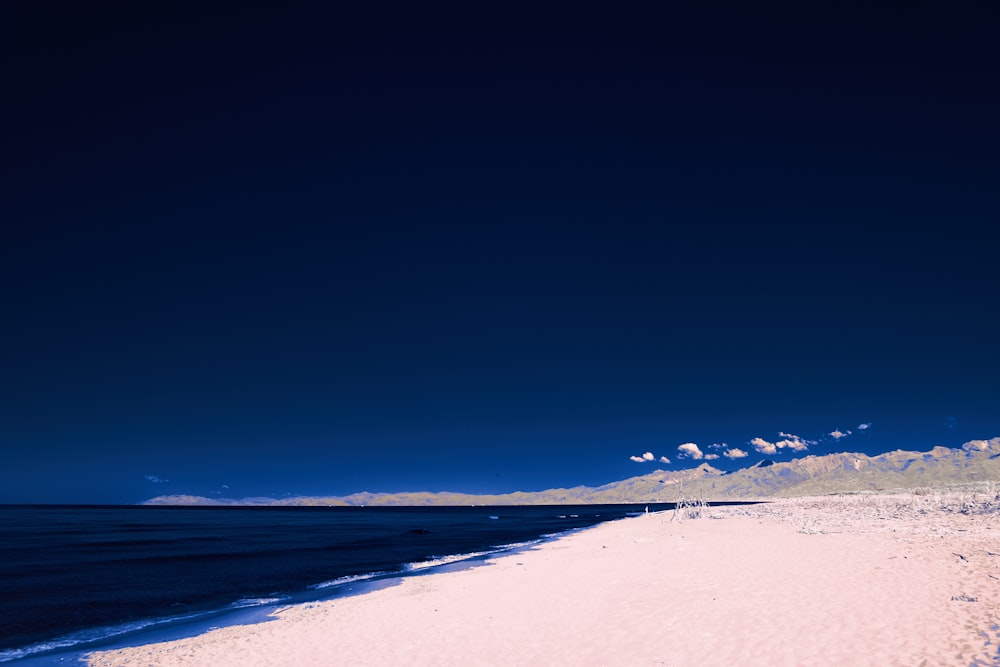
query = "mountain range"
x=976 y=462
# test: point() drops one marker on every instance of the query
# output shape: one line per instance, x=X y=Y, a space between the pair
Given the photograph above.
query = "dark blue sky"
x=292 y=250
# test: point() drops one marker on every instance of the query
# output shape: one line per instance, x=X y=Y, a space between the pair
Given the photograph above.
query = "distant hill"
x=976 y=461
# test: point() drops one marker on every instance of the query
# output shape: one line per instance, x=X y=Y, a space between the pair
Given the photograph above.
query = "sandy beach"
x=909 y=579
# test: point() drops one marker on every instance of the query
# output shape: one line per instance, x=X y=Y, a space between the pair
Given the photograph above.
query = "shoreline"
x=73 y=647
x=168 y=629
x=901 y=579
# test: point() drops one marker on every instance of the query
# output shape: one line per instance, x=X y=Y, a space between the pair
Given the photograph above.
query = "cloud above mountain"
x=648 y=457
x=787 y=440
x=690 y=450
x=763 y=446
x=784 y=441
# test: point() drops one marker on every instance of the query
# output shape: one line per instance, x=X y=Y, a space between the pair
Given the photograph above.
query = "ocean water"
x=78 y=578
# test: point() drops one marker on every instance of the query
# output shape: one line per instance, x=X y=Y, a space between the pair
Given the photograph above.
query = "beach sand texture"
x=909 y=579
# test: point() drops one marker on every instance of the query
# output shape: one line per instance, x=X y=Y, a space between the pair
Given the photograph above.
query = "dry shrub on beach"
x=689 y=509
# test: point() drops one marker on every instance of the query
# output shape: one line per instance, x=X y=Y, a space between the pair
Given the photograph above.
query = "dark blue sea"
x=79 y=578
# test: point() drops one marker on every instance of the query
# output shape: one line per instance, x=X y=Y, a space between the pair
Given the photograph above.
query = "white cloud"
x=637 y=459
x=648 y=456
x=794 y=442
x=711 y=457
x=664 y=459
x=155 y=480
x=690 y=449
x=734 y=453
x=864 y=427
x=717 y=445
x=763 y=446
x=837 y=434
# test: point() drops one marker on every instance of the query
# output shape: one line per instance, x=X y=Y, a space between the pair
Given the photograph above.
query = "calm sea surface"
x=74 y=578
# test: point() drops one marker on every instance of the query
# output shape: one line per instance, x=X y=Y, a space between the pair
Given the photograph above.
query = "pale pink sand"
x=832 y=581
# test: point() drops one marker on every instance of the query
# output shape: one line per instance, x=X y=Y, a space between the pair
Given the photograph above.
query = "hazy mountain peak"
x=991 y=447
x=842 y=472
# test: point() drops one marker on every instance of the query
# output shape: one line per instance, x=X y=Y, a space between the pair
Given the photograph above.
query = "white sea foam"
x=517 y=545
x=442 y=560
x=257 y=602
x=456 y=558
x=350 y=579
x=109 y=632
x=407 y=568
x=419 y=566
x=90 y=635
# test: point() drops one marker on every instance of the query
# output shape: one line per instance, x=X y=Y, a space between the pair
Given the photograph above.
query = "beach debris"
x=964 y=598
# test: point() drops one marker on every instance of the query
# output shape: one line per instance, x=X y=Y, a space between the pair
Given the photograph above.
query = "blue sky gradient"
x=284 y=251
